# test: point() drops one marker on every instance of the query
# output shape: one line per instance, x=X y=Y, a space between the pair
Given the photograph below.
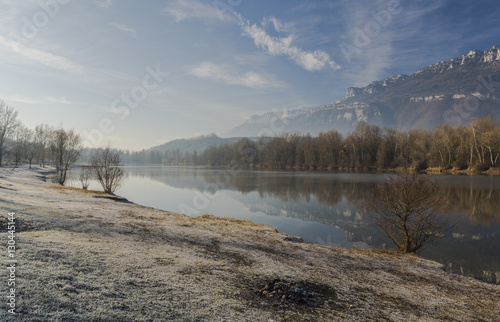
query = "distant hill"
x=453 y=91
x=198 y=144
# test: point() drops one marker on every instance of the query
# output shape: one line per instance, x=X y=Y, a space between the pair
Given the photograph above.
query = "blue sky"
x=140 y=73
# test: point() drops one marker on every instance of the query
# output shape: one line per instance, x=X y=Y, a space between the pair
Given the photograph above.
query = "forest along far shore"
x=87 y=255
x=446 y=149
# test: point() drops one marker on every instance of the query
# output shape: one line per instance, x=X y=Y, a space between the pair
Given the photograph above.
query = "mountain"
x=198 y=144
x=453 y=91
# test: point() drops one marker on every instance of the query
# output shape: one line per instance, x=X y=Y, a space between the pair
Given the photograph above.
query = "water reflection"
x=298 y=198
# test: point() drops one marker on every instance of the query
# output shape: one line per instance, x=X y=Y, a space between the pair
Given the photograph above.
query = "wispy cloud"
x=47 y=59
x=58 y=100
x=187 y=9
x=128 y=30
x=374 y=65
x=224 y=73
x=277 y=24
x=20 y=99
x=29 y=100
x=103 y=3
x=103 y=74
x=113 y=110
x=396 y=40
x=309 y=60
x=163 y=90
x=317 y=5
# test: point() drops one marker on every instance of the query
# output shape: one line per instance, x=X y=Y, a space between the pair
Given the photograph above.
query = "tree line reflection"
x=470 y=248
x=479 y=200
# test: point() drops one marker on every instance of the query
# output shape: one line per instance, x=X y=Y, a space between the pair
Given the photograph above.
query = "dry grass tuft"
x=212 y=220
x=65 y=189
x=372 y=251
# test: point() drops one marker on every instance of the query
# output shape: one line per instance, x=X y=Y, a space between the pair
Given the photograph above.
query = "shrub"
x=106 y=168
x=406 y=208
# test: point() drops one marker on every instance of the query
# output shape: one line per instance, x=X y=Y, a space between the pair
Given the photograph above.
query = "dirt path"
x=82 y=256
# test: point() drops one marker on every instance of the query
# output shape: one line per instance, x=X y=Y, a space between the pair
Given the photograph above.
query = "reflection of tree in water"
x=298 y=188
x=482 y=204
x=470 y=248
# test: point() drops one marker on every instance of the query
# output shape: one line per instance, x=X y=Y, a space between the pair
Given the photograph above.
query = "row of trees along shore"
x=475 y=147
x=46 y=145
x=43 y=145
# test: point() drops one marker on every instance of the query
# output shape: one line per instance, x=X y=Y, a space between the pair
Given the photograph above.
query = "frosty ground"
x=88 y=256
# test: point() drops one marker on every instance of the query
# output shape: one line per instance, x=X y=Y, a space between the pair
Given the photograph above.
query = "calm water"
x=322 y=208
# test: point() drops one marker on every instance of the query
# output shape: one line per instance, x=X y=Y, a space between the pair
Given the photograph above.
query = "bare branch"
x=406 y=207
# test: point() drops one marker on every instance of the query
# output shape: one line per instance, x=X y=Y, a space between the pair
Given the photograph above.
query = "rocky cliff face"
x=375 y=87
x=453 y=91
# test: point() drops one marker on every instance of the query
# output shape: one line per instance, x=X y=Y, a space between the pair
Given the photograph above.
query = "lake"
x=324 y=208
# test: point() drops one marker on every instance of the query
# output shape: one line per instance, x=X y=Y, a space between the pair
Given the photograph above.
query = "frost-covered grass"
x=83 y=258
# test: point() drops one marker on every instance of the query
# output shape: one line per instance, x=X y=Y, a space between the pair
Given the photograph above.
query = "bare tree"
x=478 y=128
x=30 y=146
x=43 y=134
x=107 y=169
x=365 y=141
x=406 y=207
x=8 y=123
x=85 y=176
x=18 y=150
x=444 y=144
x=491 y=141
x=65 y=147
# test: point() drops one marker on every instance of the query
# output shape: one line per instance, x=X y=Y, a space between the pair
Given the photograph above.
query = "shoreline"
x=430 y=171
x=103 y=259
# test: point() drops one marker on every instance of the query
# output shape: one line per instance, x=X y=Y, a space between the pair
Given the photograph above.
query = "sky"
x=137 y=74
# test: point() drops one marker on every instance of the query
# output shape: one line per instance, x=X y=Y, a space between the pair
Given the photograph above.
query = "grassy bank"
x=84 y=255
